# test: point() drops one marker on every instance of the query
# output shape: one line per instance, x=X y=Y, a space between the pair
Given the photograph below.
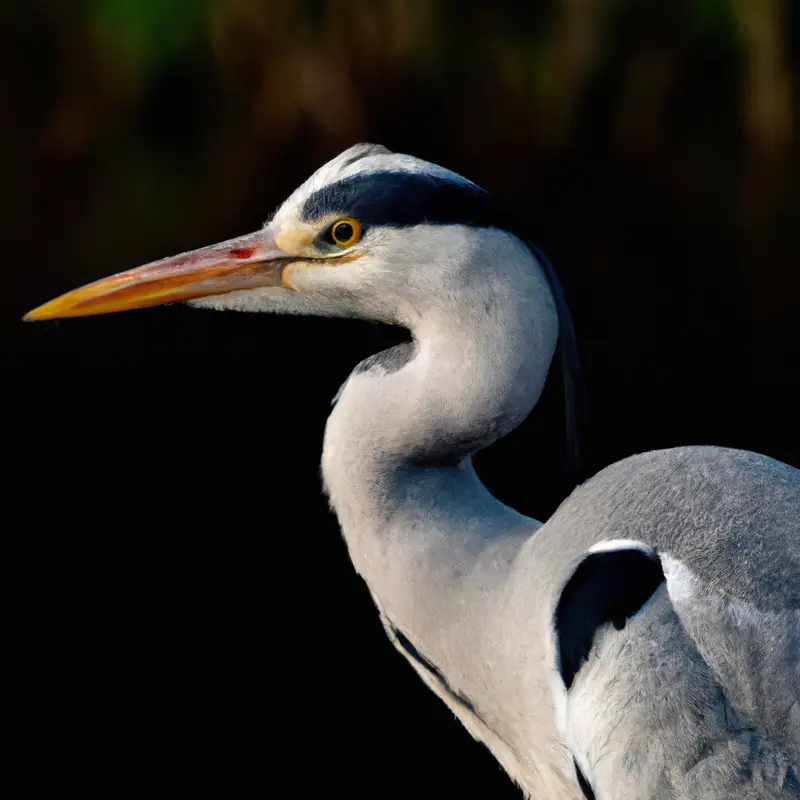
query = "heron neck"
x=396 y=458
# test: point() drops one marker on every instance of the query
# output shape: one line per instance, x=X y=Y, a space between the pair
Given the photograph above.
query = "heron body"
x=644 y=642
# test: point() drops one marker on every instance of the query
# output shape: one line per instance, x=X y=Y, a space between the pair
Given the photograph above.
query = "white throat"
x=396 y=454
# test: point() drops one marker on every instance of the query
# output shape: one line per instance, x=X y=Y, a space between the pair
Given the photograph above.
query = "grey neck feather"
x=397 y=444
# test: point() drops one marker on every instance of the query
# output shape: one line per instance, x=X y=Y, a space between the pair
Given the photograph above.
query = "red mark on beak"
x=242 y=252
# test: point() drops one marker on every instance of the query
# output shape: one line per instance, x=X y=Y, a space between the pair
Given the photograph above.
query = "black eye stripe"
x=401 y=199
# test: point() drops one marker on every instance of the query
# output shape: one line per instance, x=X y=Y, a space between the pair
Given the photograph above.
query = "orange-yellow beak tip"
x=41 y=313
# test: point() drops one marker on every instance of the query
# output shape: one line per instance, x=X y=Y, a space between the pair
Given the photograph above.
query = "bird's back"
x=698 y=692
x=732 y=517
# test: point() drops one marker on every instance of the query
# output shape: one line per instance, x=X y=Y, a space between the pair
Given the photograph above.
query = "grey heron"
x=643 y=642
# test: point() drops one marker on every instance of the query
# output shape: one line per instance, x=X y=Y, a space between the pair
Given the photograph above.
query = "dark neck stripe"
x=401 y=199
x=434 y=671
x=584 y=785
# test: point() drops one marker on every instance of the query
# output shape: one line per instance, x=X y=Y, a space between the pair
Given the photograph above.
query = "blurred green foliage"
x=150 y=31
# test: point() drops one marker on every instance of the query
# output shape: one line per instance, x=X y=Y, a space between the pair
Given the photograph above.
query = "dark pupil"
x=343 y=232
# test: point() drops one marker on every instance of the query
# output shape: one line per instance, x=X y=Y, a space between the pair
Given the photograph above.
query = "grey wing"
x=671 y=692
x=753 y=653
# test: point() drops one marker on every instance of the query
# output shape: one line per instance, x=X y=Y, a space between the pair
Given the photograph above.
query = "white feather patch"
x=622 y=544
x=682 y=583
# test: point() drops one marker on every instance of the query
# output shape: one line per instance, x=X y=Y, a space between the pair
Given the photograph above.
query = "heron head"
x=371 y=234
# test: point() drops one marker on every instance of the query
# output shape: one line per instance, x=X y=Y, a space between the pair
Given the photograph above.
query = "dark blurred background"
x=180 y=611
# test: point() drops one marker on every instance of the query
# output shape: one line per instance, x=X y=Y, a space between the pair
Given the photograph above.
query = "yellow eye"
x=346 y=232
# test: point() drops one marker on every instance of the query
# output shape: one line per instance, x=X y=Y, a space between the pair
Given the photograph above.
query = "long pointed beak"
x=246 y=262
